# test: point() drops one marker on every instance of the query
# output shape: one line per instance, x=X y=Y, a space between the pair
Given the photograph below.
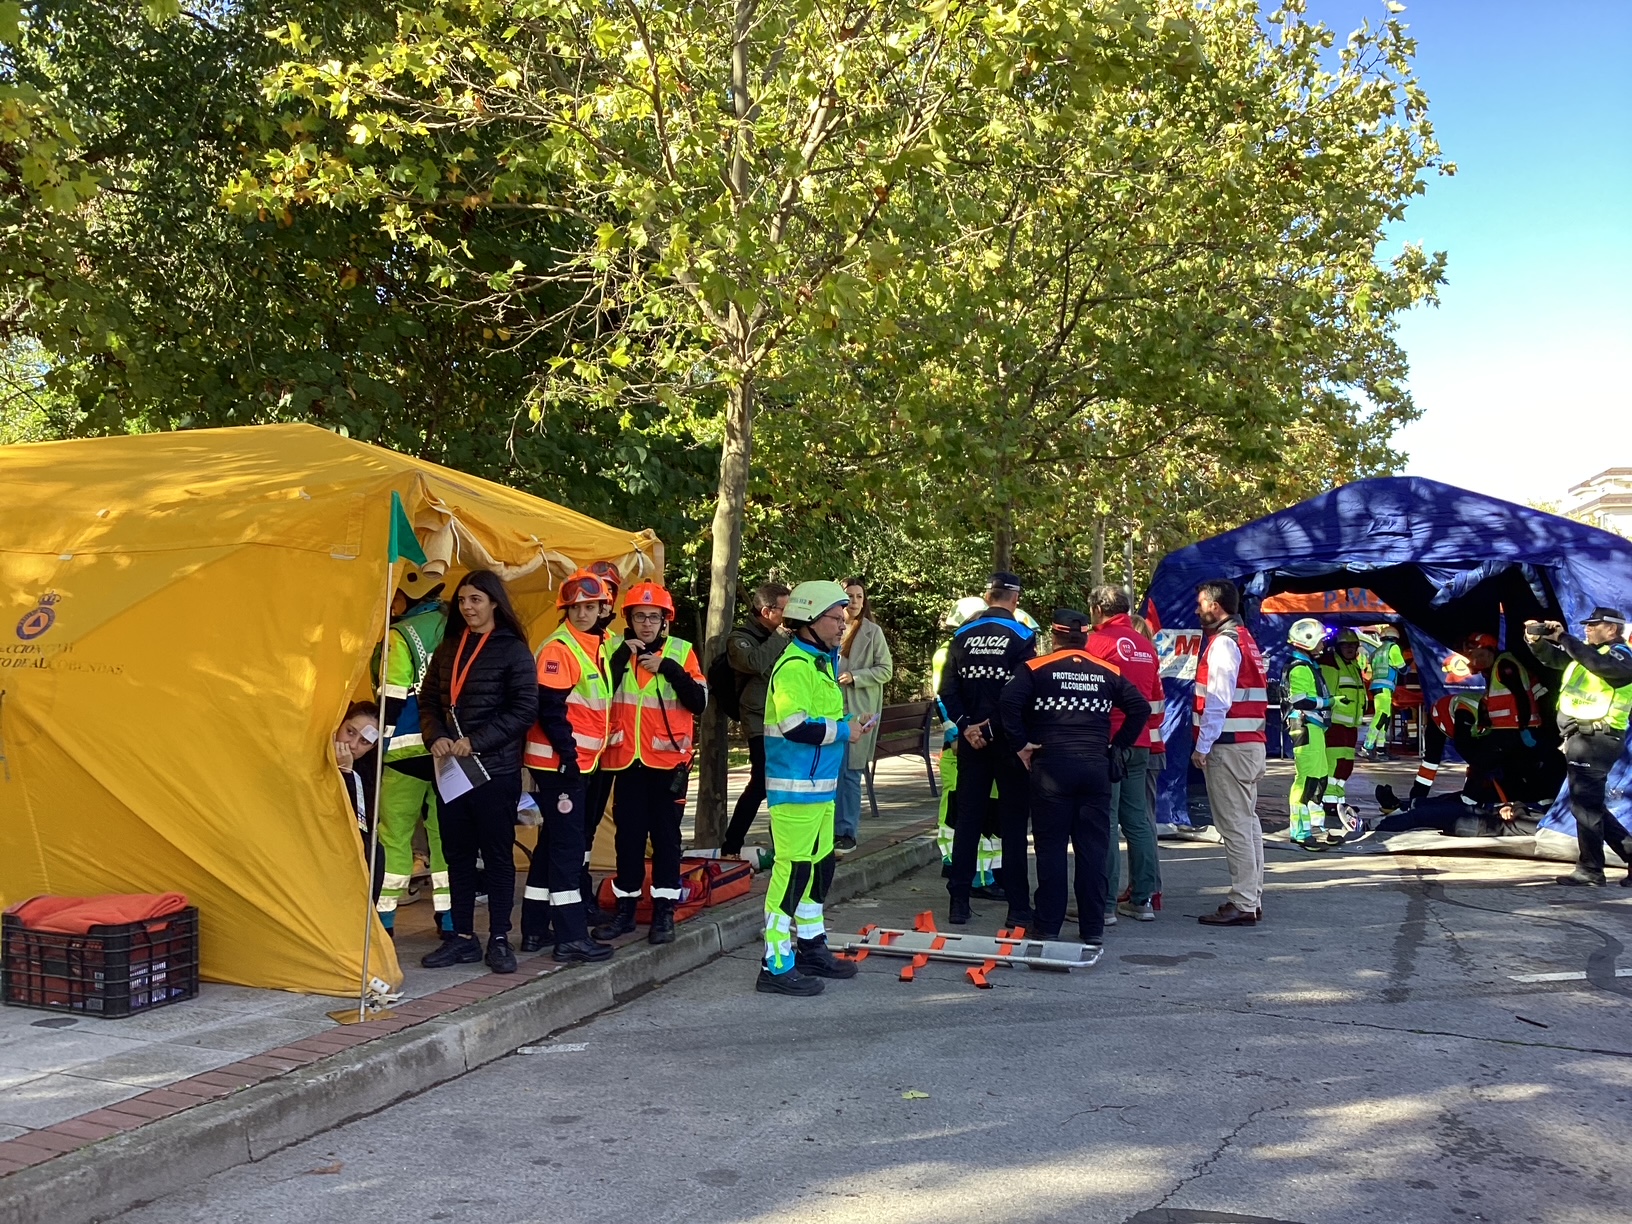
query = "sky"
x=1524 y=370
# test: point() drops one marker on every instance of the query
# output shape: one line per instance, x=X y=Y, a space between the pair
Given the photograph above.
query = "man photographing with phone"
x=1593 y=708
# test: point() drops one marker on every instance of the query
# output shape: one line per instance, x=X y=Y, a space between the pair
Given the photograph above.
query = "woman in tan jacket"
x=864 y=667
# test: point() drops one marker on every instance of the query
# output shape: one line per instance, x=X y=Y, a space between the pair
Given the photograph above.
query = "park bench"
x=905 y=730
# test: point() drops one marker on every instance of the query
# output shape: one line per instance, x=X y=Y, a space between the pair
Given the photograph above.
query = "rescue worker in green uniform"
x=1308 y=712
x=806 y=743
x=1594 y=705
x=1387 y=662
x=1347 y=686
x=407 y=784
x=989 y=850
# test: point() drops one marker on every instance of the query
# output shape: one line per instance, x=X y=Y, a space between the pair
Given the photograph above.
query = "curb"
x=169 y=1154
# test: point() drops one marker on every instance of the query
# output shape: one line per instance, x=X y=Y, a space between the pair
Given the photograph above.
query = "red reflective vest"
x=649 y=724
x=573 y=661
x=1249 y=704
x=1502 y=705
x=1118 y=643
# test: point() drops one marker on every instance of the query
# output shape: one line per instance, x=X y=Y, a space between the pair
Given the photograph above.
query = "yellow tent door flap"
x=187 y=616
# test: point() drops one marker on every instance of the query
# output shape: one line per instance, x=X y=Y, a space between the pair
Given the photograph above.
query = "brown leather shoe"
x=1228 y=915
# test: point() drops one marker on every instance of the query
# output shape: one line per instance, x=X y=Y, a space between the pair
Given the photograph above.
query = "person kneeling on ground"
x=1059 y=709
x=657 y=693
x=806 y=738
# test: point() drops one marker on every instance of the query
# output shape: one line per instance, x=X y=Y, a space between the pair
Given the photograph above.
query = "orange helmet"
x=584 y=587
x=648 y=595
x=607 y=572
x=1480 y=641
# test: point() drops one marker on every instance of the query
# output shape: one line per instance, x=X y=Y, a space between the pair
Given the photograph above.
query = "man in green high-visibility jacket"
x=1594 y=705
x=807 y=735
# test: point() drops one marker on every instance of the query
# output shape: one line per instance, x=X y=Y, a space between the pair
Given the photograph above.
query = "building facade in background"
x=1604 y=500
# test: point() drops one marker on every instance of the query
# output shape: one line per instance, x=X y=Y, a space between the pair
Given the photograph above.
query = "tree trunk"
x=1096 y=567
x=714 y=742
x=1003 y=544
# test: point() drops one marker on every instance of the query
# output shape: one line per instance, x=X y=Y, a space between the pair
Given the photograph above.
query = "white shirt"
x=1223 y=668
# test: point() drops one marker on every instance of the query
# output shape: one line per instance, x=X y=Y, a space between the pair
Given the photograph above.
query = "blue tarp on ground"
x=1448 y=561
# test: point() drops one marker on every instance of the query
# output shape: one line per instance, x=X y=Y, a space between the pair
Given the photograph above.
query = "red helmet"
x=647 y=595
x=608 y=572
x=584 y=587
x=1480 y=641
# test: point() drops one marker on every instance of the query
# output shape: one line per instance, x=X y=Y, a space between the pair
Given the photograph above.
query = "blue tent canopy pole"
x=1450 y=562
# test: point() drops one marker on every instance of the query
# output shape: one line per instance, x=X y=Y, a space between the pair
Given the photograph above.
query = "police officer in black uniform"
x=986 y=652
x=1056 y=712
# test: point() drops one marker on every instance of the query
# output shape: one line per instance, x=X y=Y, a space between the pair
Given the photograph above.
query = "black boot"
x=593 y=913
x=460 y=950
x=662 y=931
x=959 y=914
x=537 y=943
x=581 y=951
x=500 y=958
x=620 y=923
x=790 y=983
x=814 y=958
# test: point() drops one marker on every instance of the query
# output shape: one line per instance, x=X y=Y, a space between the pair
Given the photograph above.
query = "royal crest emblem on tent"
x=39 y=619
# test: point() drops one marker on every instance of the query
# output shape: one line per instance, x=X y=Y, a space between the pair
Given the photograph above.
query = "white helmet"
x=810 y=600
x=1307 y=634
x=965 y=609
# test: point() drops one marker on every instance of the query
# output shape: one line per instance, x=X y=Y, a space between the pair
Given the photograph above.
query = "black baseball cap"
x=1002 y=580
x=1605 y=616
x=1069 y=620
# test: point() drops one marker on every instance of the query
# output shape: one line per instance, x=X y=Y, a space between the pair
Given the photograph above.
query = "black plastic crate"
x=111 y=971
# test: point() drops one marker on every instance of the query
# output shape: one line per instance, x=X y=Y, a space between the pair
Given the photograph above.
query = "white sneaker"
x=1139 y=911
x=1110 y=917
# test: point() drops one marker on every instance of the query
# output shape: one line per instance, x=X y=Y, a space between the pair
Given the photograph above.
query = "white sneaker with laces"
x=1139 y=911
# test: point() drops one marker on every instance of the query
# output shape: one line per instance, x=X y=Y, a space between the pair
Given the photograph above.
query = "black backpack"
x=725 y=686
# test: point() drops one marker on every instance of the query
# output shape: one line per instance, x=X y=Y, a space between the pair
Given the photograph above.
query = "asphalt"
x=1365 y=1054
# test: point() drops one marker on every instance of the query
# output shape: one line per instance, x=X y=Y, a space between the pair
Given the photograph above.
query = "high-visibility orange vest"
x=649 y=724
x=588 y=704
x=1502 y=706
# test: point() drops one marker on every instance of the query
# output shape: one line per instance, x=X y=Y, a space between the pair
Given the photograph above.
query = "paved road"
x=1363 y=1055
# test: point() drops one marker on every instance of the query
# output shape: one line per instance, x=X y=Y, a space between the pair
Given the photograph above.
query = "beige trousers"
x=1233 y=773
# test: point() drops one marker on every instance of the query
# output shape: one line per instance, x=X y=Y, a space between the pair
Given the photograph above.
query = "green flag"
x=404 y=543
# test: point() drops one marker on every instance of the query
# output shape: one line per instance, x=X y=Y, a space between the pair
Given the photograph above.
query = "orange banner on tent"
x=1326 y=603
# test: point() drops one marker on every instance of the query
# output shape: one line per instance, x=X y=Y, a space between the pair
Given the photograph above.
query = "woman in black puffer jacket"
x=478 y=700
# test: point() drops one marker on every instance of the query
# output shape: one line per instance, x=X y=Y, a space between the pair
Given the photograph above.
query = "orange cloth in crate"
x=77 y=915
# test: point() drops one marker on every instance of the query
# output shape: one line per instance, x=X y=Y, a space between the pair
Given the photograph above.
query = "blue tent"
x=1448 y=561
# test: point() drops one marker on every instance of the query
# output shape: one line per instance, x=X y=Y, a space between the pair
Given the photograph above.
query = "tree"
x=731 y=180
x=1164 y=277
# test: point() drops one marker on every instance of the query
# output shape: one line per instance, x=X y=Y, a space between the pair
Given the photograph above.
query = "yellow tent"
x=187 y=616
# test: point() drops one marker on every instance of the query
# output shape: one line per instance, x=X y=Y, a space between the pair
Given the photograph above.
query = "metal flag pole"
x=379 y=776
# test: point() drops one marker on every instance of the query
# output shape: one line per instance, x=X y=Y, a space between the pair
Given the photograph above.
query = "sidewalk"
x=243 y=1072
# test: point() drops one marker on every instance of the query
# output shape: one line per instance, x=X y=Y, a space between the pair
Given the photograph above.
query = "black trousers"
x=482 y=821
x=1070 y=804
x=977 y=770
x=748 y=803
x=598 y=792
x=1589 y=759
x=552 y=897
x=649 y=806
